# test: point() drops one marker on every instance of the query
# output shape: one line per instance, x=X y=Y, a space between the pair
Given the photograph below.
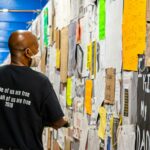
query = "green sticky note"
x=46 y=27
x=102 y=19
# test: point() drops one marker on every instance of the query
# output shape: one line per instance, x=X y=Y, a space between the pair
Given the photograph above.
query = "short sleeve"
x=51 y=109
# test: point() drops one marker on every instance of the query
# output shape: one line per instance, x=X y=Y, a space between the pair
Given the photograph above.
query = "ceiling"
x=16 y=15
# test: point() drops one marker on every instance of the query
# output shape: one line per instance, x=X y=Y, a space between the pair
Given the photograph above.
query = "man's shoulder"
x=39 y=75
x=28 y=70
x=2 y=68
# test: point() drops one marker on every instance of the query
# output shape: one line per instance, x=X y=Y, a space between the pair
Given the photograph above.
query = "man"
x=28 y=102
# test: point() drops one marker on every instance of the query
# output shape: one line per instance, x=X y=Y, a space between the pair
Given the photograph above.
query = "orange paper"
x=134 y=32
x=130 y=61
x=78 y=32
x=88 y=97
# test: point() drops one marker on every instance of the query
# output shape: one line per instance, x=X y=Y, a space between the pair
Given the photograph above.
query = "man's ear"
x=28 y=52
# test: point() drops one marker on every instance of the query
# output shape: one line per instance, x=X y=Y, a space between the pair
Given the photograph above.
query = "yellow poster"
x=88 y=97
x=69 y=92
x=57 y=59
x=102 y=126
x=130 y=61
x=134 y=32
x=89 y=56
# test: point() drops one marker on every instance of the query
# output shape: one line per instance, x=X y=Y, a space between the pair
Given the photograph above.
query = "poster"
x=134 y=32
x=143 y=110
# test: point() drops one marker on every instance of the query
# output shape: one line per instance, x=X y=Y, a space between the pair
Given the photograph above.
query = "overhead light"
x=5 y=10
x=21 y=11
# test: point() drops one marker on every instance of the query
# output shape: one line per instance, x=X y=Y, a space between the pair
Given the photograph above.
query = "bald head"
x=23 y=45
x=21 y=40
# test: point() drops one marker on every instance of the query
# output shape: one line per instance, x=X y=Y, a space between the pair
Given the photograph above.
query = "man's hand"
x=63 y=122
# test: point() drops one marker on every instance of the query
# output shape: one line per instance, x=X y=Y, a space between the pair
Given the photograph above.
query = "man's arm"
x=52 y=114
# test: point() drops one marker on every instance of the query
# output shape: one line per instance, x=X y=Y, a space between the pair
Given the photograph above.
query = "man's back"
x=27 y=104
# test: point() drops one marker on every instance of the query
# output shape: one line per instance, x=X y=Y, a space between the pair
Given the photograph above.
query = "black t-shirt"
x=28 y=103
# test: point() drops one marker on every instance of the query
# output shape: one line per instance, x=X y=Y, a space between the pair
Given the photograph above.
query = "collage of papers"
x=91 y=51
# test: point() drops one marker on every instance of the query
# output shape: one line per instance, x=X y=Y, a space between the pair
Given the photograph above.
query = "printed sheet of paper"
x=133 y=96
x=62 y=7
x=66 y=12
x=52 y=63
x=61 y=138
x=134 y=32
x=99 y=94
x=72 y=48
x=74 y=9
x=63 y=103
x=56 y=83
x=94 y=116
x=93 y=140
x=78 y=119
x=83 y=44
x=118 y=93
x=84 y=134
x=113 y=51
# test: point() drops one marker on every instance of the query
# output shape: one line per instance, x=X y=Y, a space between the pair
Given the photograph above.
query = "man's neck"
x=18 y=61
